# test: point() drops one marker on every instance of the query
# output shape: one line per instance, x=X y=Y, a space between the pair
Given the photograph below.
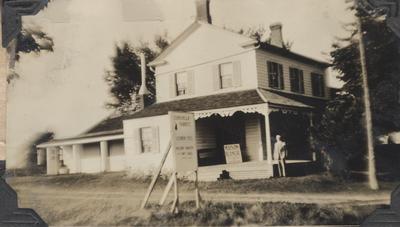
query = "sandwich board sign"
x=183 y=141
x=233 y=153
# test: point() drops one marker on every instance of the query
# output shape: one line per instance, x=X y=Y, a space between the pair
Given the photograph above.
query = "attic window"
x=226 y=75
x=275 y=75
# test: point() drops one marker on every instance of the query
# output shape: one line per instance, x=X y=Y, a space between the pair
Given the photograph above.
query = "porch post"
x=76 y=157
x=103 y=155
x=268 y=134
x=311 y=138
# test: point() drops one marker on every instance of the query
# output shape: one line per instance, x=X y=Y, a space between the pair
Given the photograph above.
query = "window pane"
x=226 y=75
x=226 y=82
x=226 y=69
x=318 y=85
x=296 y=80
x=181 y=83
x=275 y=75
x=146 y=136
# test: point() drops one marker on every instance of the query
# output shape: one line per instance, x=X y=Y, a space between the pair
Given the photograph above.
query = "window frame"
x=275 y=76
x=221 y=76
x=142 y=141
x=318 y=84
x=296 y=77
x=186 y=90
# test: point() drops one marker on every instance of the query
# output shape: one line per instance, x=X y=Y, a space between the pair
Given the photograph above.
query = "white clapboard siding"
x=253 y=138
x=90 y=158
x=261 y=59
x=205 y=136
x=117 y=155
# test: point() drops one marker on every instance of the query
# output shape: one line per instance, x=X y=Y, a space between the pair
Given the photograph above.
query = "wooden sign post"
x=184 y=151
x=183 y=144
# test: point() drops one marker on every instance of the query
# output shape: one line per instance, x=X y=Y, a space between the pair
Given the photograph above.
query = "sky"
x=64 y=91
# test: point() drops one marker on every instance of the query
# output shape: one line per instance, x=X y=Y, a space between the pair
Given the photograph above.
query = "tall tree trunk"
x=373 y=182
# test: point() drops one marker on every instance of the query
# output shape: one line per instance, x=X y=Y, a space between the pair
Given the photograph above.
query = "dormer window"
x=296 y=80
x=275 y=75
x=318 y=85
x=181 y=80
x=226 y=75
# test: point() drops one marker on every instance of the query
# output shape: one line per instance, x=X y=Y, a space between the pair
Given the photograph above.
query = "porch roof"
x=217 y=101
x=113 y=125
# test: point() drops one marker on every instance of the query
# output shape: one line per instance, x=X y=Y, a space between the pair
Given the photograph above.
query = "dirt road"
x=29 y=196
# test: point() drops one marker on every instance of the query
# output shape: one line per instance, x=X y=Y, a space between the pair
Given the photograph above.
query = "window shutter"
x=322 y=84
x=269 y=74
x=172 y=86
x=137 y=141
x=216 y=78
x=301 y=78
x=191 y=83
x=237 y=74
x=280 y=77
x=156 y=144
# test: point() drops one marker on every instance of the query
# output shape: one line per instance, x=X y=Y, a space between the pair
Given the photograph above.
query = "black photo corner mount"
x=389 y=8
x=12 y=11
x=10 y=214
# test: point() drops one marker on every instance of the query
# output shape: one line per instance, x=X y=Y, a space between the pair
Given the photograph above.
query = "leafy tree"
x=341 y=127
x=258 y=34
x=33 y=40
x=31 y=159
x=125 y=77
x=29 y=40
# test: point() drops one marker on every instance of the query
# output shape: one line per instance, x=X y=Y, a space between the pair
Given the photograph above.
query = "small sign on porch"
x=233 y=153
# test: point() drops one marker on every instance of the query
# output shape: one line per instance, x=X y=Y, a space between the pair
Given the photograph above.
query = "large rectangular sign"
x=233 y=153
x=183 y=141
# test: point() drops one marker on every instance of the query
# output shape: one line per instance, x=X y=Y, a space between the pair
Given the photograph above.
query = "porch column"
x=52 y=160
x=268 y=135
x=311 y=138
x=103 y=155
x=76 y=157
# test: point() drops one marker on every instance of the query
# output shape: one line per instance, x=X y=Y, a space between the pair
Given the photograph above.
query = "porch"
x=253 y=130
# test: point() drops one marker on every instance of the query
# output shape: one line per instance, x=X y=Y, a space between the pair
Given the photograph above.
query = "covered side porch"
x=253 y=128
x=86 y=154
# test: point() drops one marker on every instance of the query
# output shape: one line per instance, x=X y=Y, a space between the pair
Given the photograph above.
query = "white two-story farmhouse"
x=240 y=92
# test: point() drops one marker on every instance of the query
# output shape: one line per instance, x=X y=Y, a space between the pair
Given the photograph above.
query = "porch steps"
x=237 y=171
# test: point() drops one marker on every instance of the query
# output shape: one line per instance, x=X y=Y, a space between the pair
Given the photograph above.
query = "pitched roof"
x=217 y=101
x=263 y=46
x=292 y=55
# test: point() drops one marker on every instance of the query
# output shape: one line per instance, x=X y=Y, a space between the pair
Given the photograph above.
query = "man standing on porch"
x=280 y=154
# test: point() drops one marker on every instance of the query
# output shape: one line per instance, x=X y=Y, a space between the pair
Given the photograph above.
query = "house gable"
x=198 y=44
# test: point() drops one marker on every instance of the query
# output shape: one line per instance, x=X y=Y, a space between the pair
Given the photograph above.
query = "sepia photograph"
x=200 y=113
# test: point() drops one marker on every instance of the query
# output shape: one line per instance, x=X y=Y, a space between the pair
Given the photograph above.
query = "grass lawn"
x=321 y=183
x=113 y=199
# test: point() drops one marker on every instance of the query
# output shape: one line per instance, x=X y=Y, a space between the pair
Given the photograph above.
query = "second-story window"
x=318 y=84
x=181 y=80
x=226 y=75
x=296 y=80
x=275 y=75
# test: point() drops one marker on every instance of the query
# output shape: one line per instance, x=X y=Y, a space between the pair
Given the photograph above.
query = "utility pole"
x=373 y=182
